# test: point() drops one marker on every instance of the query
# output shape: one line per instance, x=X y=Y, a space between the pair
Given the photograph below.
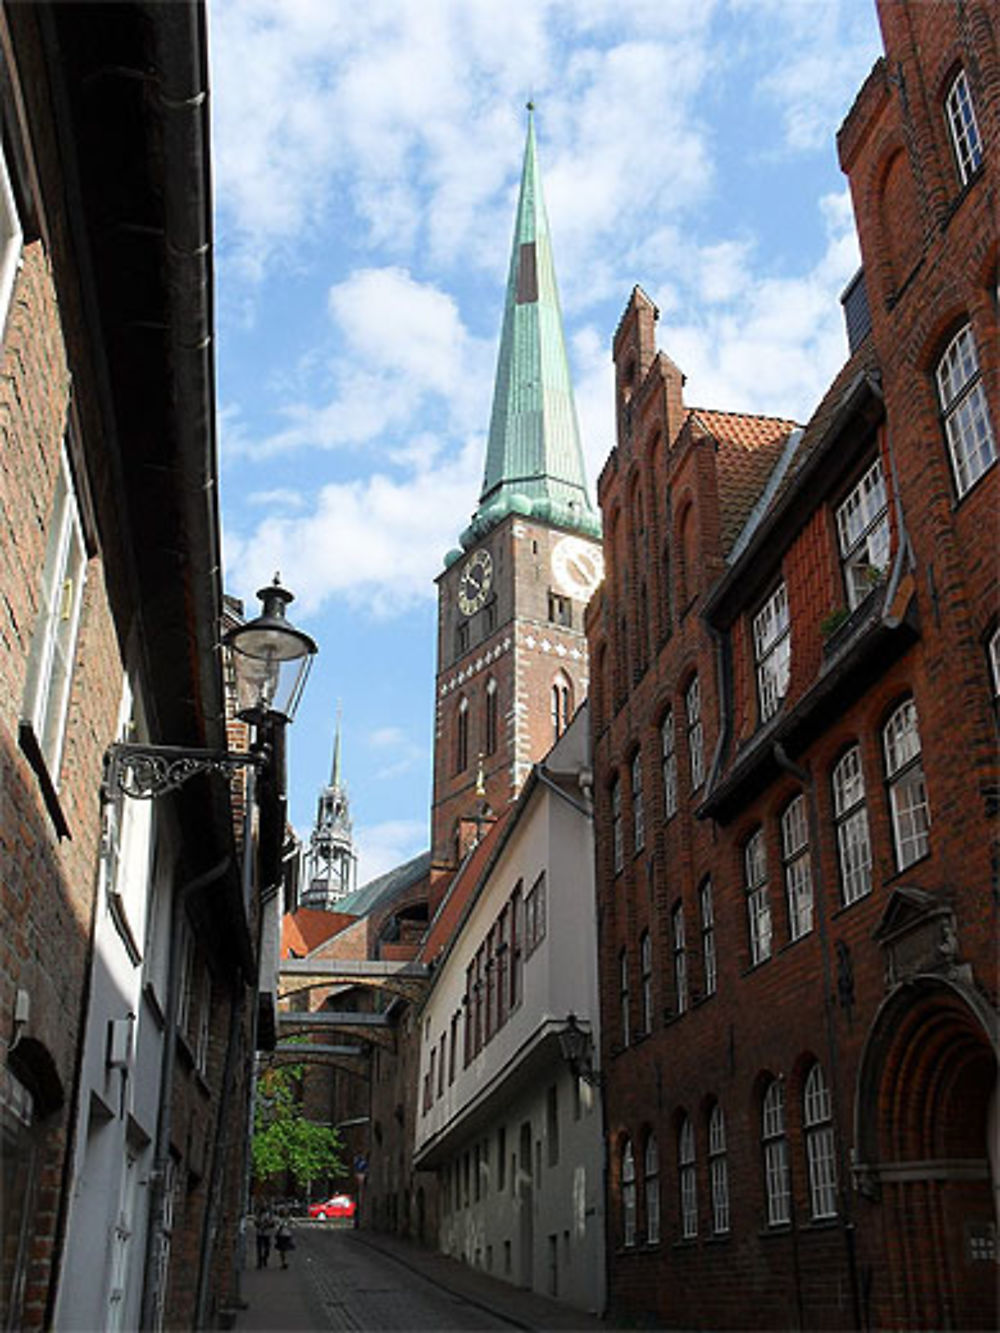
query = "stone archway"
x=924 y=1114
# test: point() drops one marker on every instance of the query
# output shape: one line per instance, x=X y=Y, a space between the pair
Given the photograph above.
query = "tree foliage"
x=284 y=1140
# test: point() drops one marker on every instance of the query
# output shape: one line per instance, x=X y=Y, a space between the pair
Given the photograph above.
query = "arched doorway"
x=925 y=1115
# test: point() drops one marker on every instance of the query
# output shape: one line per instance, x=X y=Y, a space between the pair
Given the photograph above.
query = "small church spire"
x=534 y=460
x=331 y=860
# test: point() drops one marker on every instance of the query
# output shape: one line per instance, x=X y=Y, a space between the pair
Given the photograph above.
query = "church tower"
x=512 y=655
x=331 y=862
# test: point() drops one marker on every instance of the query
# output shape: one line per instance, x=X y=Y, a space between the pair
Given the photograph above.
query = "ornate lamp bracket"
x=147 y=771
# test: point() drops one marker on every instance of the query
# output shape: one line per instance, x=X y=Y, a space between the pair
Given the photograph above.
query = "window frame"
x=796 y=867
x=651 y=1188
x=864 y=534
x=771 y=630
x=850 y=814
x=687 y=1178
x=904 y=773
x=695 y=732
x=624 y=1000
x=11 y=241
x=709 y=956
x=628 y=1187
x=718 y=1171
x=679 y=952
x=774 y=1141
x=759 y=921
x=638 y=805
x=821 y=1159
x=965 y=415
x=960 y=117
x=646 y=979
x=668 y=763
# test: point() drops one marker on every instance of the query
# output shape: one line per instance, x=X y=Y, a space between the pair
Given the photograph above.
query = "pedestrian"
x=264 y=1223
x=283 y=1241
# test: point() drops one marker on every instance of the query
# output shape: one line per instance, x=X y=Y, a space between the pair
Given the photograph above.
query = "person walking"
x=283 y=1241
x=264 y=1224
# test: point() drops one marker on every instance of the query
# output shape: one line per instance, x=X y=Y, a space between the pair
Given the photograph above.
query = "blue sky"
x=366 y=162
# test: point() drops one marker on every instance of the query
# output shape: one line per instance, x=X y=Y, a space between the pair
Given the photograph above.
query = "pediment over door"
x=918 y=936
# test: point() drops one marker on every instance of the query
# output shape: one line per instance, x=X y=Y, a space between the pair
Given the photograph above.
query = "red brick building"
x=795 y=674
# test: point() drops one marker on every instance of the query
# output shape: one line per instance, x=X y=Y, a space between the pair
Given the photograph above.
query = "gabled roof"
x=308 y=928
x=534 y=461
x=749 y=447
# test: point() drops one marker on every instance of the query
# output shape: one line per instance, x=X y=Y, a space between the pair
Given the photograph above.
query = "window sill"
x=119 y=916
x=686 y=1243
x=33 y=753
x=890 y=880
x=960 y=500
x=822 y=1224
x=755 y=967
x=779 y=1229
x=791 y=943
x=846 y=907
x=719 y=1238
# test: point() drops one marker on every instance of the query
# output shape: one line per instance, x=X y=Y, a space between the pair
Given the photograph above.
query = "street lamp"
x=576 y=1046
x=271 y=660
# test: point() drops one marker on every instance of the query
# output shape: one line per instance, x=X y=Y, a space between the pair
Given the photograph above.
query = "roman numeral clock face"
x=476 y=582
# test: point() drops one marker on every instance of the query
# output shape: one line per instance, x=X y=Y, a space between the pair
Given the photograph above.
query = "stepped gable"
x=748 y=447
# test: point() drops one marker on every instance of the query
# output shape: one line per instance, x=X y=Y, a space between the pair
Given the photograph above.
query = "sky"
x=366 y=162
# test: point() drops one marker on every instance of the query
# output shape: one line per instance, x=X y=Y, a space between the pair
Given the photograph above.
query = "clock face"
x=476 y=581
x=577 y=567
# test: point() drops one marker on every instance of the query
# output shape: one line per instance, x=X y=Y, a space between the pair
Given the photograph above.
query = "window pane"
x=961 y=117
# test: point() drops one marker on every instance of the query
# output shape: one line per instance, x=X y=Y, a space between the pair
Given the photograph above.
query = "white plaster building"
x=515 y=1138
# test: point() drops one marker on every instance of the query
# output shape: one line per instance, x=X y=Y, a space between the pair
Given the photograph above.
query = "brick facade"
x=877 y=1005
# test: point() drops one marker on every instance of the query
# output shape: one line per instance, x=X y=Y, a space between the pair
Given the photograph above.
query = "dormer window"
x=863 y=535
x=963 y=127
x=772 y=651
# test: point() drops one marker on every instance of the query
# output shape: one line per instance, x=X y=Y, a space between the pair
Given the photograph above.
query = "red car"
x=340 y=1205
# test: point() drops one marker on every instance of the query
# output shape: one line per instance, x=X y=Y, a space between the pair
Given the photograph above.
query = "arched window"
x=462 y=736
x=758 y=901
x=963 y=129
x=695 y=733
x=776 y=1177
x=687 y=1179
x=617 y=841
x=638 y=809
x=624 y=999
x=907 y=788
x=651 y=1183
x=490 y=727
x=863 y=534
x=718 y=1170
x=668 y=752
x=772 y=639
x=817 y=1117
x=708 y=937
x=854 y=851
x=628 y=1193
x=796 y=868
x=680 y=958
x=646 y=966
x=971 y=443
x=561 y=705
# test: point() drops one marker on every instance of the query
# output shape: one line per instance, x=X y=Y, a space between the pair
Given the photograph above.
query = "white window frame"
x=772 y=650
x=57 y=629
x=680 y=957
x=776 y=1173
x=617 y=837
x=817 y=1119
x=628 y=1195
x=993 y=655
x=708 y=953
x=911 y=817
x=534 y=916
x=850 y=811
x=695 y=733
x=624 y=998
x=964 y=411
x=646 y=969
x=651 y=1189
x=863 y=534
x=11 y=239
x=718 y=1170
x=687 y=1179
x=638 y=808
x=796 y=867
x=963 y=128
x=668 y=750
x=758 y=901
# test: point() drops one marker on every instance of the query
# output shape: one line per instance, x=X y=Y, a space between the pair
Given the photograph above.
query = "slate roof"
x=748 y=448
x=379 y=892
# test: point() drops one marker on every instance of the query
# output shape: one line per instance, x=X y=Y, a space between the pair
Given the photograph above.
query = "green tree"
x=284 y=1140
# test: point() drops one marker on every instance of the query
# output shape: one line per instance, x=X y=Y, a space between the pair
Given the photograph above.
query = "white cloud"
x=384 y=846
x=280 y=496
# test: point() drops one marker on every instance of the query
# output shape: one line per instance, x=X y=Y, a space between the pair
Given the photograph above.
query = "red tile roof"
x=748 y=447
x=308 y=928
x=443 y=928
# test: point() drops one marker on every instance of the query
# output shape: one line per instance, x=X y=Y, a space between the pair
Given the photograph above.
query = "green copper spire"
x=534 y=463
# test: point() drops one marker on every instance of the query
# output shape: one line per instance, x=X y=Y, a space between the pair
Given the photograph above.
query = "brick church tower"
x=512 y=654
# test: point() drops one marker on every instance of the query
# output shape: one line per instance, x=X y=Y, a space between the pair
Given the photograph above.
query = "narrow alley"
x=339 y=1278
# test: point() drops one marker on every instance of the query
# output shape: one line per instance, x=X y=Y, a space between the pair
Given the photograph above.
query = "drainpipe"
x=161 y=1159
x=833 y=1049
